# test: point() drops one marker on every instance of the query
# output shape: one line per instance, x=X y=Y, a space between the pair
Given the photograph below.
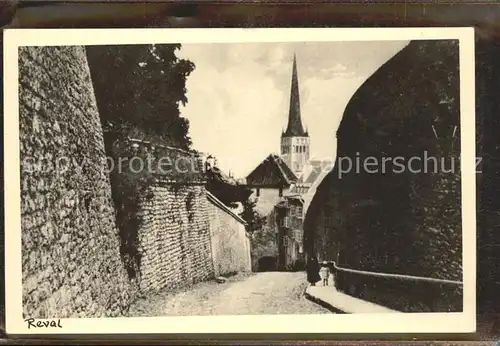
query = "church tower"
x=294 y=140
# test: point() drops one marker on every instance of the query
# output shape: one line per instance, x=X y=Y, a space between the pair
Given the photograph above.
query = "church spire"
x=295 y=128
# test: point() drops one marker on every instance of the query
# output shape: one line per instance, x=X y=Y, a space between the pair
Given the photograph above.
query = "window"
x=257 y=192
x=281 y=192
x=284 y=222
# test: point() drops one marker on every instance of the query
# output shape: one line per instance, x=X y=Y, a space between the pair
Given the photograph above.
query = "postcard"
x=240 y=180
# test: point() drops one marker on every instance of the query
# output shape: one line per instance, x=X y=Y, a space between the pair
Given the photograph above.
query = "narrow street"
x=256 y=293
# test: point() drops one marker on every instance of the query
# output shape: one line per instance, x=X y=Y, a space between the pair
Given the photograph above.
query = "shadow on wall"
x=402 y=294
x=67 y=216
x=372 y=213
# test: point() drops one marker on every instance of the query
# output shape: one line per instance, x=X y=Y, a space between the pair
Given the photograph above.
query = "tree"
x=230 y=192
x=138 y=89
x=226 y=189
x=254 y=220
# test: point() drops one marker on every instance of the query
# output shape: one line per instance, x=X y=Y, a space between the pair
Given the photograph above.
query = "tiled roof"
x=311 y=178
x=306 y=181
x=273 y=171
x=285 y=169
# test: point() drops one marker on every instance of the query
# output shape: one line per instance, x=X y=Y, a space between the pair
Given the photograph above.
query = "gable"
x=272 y=172
x=287 y=172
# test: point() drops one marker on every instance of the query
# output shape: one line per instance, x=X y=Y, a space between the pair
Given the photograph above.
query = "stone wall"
x=327 y=240
x=174 y=237
x=230 y=243
x=378 y=207
x=71 y=264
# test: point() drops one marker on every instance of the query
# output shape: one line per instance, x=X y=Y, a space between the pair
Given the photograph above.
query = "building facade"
x=289 y=220
x=270 y=181
x=281 y=183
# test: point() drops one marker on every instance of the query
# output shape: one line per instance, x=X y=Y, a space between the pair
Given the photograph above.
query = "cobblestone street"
x=258 y=293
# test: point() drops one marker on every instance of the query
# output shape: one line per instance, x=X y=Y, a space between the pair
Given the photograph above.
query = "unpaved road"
x=259 y=293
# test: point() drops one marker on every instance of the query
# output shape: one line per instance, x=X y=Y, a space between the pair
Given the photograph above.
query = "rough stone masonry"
x=174 y=237
x=71 y=263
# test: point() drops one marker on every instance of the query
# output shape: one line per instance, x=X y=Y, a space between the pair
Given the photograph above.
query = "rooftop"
x=272 y=172
x=294 y=128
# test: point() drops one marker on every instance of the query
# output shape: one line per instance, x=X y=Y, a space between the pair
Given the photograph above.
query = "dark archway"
x=267 y=264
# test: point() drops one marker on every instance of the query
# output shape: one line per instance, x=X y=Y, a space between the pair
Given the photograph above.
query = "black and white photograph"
x=256 y=180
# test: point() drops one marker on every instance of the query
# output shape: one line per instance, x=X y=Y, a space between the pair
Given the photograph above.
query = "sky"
x=239 y=94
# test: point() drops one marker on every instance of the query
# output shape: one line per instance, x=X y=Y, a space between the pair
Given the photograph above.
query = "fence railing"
x=398 y=276
x=406 y=293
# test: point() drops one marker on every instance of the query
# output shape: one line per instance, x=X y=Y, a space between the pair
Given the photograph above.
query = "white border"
x=334 y=323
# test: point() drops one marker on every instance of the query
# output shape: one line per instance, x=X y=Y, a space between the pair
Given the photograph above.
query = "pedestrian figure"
x=333 y=271
x=313 y=270
x=325 y=273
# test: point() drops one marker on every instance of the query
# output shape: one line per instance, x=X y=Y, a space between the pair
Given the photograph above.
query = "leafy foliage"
x=225 y=189
x=142 y=102
x=231 y=193
x=254 y=220
x=138 y=89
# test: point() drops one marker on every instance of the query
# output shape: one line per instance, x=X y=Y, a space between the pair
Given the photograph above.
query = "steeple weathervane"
x=295 y=128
